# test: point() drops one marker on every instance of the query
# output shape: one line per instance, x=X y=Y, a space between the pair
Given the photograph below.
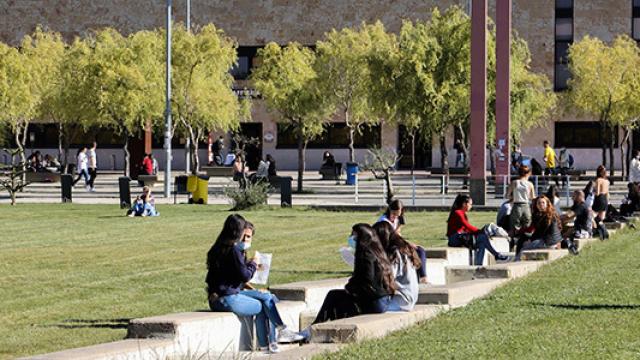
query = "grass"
x=585 y=307
x=73 y=275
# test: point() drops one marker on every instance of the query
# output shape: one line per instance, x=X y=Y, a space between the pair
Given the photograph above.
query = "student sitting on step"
x=462 y=234
x=371 y=285
x=405 y=263
x=394 y=215
x=229 y=271
x=545 y=229
x=631 y=202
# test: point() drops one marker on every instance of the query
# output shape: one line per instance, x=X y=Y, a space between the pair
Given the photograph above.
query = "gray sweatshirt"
x=406 y=277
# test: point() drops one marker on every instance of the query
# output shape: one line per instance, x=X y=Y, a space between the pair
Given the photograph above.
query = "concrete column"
x=148 y=138
x=503 y=91
x=478 y=101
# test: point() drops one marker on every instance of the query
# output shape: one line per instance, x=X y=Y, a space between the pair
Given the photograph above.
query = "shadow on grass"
x=91 y=323
x=590 y=306
x=313 y=272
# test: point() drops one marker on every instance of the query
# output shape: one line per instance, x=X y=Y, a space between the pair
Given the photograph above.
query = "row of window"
x=563 y=39
x=334 y=136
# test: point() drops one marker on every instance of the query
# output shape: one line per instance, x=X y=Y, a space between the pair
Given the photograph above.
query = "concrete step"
x=615 y=225
x=582 y=243
x=457 y=294
x=436 y=271
x=453 y=255
x=511 y=270
x=544 y=254
x=129 y=349
x=501 y=244
x=371 y=326
x=310 y=292
x=215 y=331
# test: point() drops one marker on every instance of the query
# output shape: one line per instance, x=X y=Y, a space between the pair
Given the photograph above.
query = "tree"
x=345 y=78
x=604 y=84
x=286 y=80
x=125 y=86
x=15 y=94
x=381 y=163
x=12 y=179
x=202 y=95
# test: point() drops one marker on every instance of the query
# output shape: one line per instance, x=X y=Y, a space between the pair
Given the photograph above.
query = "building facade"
x=548 y=26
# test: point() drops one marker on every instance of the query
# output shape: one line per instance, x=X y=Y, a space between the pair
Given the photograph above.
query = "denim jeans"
x=531 y=245
x=482 y=244
x=422 y=254
x=82 y=174
x=249 y=303
x=339 y=304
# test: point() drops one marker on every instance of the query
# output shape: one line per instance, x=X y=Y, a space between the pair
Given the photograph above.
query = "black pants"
x=92 y=176
x=339 y=304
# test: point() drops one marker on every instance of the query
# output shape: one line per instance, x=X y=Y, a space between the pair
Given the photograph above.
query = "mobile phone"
x=401 y=220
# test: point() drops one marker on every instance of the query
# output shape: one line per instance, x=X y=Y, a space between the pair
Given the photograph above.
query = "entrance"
x=423 y=150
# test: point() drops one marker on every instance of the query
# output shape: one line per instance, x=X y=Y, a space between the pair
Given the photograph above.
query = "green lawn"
x=585 y=307
x=72 y=275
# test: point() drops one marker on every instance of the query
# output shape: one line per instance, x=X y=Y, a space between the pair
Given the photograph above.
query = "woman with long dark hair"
x=371 y=285
x=405 y=262
x=546 y=228
x=460 y=231
x=394 y=215
x=228 y=273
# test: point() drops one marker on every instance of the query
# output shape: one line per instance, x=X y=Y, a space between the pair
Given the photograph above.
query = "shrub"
x=252 y=195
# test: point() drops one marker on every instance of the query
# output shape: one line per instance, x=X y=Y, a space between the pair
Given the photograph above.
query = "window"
x=635 y=20
x=335 y=136
x=582 y=134
x=563 y=39
x=247 y=59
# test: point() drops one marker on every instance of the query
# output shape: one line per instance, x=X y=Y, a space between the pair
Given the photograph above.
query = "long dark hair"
x=552 y=193
x=588 y=189
x=392 y=241
x=544 y=219
x=368 y=241
x=601 y=172
x=394 y=205
x=231 y=233
x=460 y=200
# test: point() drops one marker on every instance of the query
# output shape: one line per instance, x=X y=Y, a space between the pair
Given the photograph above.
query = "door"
x=423 y=150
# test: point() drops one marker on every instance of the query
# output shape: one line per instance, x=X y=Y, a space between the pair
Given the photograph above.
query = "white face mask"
x=243 y=246
x=351 y=241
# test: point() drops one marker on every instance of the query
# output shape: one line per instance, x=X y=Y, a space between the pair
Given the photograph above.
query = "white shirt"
x=82 y=162
x=263 y=169
x=634 y=170
x=93 y=160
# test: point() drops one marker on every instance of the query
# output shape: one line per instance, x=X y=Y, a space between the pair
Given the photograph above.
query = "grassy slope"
x=71 y=275
x=579 y=308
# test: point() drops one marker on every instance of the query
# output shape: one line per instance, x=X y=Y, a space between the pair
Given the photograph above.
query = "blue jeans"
x=249 y=303
x=339 y=304
x=482 y=244
x=422 y=254
x=531 y=245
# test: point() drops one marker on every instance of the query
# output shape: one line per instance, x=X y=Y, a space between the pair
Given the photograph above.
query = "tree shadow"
x=314 y=272
x=120 y=323
x=590 y=306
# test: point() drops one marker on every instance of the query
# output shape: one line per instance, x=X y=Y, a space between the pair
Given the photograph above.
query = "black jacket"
x=230 y=274
x=366 y=283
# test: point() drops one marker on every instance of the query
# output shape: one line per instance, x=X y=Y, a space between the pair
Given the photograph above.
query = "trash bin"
x=124 y=185
x=352 y=173
x=198 y=186
x=285 y=190
x=66 y=185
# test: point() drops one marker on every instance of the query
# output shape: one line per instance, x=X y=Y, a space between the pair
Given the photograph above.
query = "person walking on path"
x=93 y=166
x=549 y=160
x=82 y=163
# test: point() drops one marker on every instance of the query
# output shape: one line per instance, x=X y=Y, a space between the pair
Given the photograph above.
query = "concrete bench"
x=217 y=171
x=544 y=254
x=312 y=293
x=213 y=331
x=148 y=180
x=457 y=294
x=129 y=349
x=42 y=177
x=371 y=326
x=500 y=271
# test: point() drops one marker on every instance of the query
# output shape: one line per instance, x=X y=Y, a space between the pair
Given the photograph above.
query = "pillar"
x=503 y=92
x=478 y=101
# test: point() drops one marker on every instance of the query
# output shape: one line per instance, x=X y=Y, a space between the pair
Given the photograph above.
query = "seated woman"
x=143 y=206
x=394 y=215
x=631 y=202
x=228 y=273
x=544 y=232
x=370 y=287
x=460 y=231
x=404 y=261
x=328 y=161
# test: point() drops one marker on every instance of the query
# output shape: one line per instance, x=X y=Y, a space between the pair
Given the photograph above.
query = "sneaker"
x=306 y=334
x=87 y=187
x=92 y=189
x=271 y=349
x=502 y=258
x=573 y=249
x=286 y=336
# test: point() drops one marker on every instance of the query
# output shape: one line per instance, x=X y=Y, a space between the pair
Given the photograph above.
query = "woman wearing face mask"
x=228 y=273
x=545 y=231
x=394 y=215
x=371 y=285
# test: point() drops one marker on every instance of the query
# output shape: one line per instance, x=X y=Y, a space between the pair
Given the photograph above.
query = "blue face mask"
x=351 y=241
x=243 y=246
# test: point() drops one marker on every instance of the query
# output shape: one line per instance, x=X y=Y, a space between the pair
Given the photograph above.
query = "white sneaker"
x=87 y=187
x=92 y=189
x=286 y=336
x=271 y=349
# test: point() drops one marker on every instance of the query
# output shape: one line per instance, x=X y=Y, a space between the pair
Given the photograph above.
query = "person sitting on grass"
x=371 y=286
x=405 y=263
x=227 y=275
x=394 y=215
x=461 y=233
x=545 y=229
x=579 y=214
x=143 y=207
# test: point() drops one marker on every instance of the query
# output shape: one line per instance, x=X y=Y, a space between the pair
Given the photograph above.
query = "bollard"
x=413 y=190
x=285 y=191
x=535 y=181
x=356 y=191
x=568 y=187
x=66 y=186
x=124 y=186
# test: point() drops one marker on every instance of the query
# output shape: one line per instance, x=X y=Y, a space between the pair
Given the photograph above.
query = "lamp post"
x=167 y=111
x=187 y=143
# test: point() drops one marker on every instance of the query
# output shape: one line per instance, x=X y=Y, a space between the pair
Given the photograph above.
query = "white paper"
x=262 y=275
x=348 y=255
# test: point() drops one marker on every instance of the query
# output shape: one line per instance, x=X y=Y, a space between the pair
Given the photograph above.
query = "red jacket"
x=147 y=165
x=459 y=223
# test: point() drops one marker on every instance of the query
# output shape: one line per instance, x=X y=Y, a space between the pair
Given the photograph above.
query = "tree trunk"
x=624 y=169
x=195 y=159
x=390 y=191
x=60 y=141
x=301 y=157
x=612 y=164
x=413 y=150
x=21 y=140
x=629 y=149
x=444 y=154
x=352 y=152
x=125 y=149
x=603 y=141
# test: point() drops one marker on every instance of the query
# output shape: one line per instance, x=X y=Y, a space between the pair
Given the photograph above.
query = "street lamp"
x=187 y=143
x=167 y=111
